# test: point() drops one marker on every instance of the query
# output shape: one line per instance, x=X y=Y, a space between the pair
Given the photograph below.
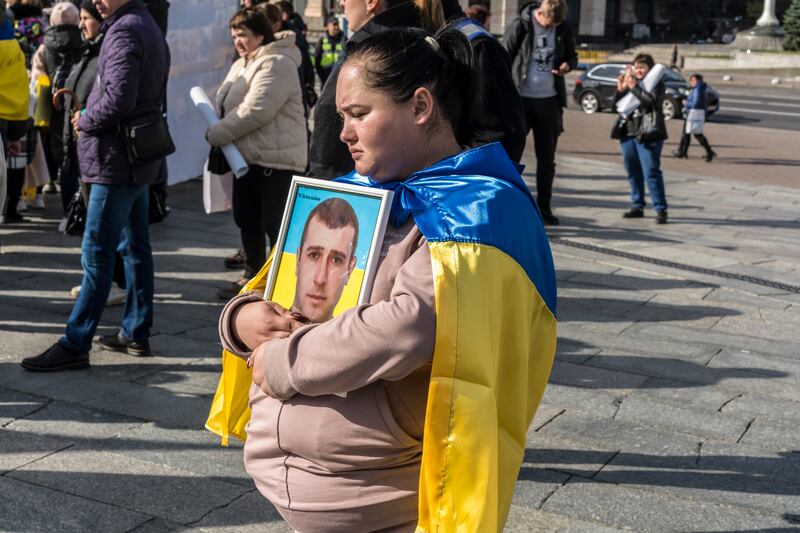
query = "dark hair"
x=698 y=77
x=254 y=20
x=88 y=6
x=272 y=12
x=399 y=61
x=286 y=7
x=647 y=59
x=478 y=12
x=334 y=213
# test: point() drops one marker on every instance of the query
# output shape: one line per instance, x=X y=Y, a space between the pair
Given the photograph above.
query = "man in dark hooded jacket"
x=131 y=74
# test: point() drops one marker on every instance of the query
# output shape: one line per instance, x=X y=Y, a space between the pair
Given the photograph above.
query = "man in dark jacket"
x=131 y=73
x=542 y=50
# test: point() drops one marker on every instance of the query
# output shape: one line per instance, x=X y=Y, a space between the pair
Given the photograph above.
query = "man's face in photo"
x=324 y=264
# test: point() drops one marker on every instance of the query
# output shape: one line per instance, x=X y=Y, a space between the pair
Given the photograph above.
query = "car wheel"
x=670 y=109
x=590 y=103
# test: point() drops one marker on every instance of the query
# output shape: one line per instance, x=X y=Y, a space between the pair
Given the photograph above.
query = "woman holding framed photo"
x=409 y=410
x=261 y=108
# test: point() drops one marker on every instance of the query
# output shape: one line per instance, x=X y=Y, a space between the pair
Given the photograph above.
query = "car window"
x=671 y=75
x=607 y=71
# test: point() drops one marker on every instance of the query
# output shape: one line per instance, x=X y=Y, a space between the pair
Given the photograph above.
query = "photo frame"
x=328 y=247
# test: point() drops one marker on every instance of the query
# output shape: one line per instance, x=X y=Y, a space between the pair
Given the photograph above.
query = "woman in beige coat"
x=261 y=106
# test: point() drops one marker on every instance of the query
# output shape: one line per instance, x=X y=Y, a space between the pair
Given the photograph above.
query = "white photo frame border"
x=378 y=232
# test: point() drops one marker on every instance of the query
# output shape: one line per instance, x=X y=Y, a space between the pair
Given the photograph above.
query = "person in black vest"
x=330 y=50
x=543 y=51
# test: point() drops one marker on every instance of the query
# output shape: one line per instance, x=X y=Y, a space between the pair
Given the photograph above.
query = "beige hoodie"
x=262 y=103
x=313 y=451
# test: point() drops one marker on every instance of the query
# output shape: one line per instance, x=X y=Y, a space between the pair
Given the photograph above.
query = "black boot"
x=710 y=154
x=683 y=147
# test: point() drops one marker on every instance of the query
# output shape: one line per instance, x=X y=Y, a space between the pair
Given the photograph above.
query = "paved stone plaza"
x=673 y=405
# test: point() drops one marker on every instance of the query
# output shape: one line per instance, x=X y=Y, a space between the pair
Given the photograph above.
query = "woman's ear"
x=423 y=103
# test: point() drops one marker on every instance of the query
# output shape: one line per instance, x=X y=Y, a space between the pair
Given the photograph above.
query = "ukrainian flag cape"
x=495 y=289
x=14 y=95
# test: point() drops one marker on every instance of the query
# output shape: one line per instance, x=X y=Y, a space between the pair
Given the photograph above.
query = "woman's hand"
x=258 y=322
x=630 y=79
x=621 y=82
x=258 y=371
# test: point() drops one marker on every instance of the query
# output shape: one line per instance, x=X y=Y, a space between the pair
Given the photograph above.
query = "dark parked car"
x=594 y=90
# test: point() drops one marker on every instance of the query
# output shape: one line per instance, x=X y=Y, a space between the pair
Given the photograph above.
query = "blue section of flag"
x=476 y=196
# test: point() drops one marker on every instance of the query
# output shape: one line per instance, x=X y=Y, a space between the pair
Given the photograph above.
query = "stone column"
x=314 y=15
x=503 y=12
x=768 y=17
x=767 y=34
x=592 y=20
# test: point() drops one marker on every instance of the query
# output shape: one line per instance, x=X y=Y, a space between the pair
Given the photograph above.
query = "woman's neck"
x=440 y=147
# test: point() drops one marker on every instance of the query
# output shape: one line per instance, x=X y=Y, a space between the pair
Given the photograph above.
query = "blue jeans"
x=644 y=161
x=116 y=219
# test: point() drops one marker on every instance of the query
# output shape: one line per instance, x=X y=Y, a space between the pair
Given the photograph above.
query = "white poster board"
x=202 y=54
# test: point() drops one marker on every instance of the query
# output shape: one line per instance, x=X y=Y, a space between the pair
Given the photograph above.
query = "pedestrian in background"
x=330 y=50
x=260 y=103
x=79 y=84
x=694 y=111
x=54 y=60
x=131 y=75
x=542 y=49
x=642 y=155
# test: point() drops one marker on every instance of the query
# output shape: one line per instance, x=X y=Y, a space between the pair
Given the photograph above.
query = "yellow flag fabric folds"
x=230 y=409
x=490 y=368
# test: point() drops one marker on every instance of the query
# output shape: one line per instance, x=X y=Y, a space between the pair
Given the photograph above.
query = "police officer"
x=329 y=49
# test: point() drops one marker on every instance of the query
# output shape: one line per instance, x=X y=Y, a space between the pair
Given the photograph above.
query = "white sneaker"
x=38 y=203
x=116 y=296
x=21 y=206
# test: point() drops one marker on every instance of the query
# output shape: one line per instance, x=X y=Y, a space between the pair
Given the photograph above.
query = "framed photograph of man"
x=328 y=247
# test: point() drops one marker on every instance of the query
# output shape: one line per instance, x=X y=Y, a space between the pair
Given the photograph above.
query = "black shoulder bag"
x=145 y=133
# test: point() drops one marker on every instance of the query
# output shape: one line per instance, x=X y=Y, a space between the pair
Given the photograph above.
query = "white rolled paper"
x=629 y=102
x=237 y=163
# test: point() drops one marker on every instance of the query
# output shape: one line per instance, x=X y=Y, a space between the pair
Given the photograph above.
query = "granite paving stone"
x=653 y=413
x=524 y=520
x=193 y=450
x=33 y=508
x=640 y=510
x=15 y=405
x=155 y=403
x=19 y=448
x=74 y=423
x=248 y=513
x=130 y=483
